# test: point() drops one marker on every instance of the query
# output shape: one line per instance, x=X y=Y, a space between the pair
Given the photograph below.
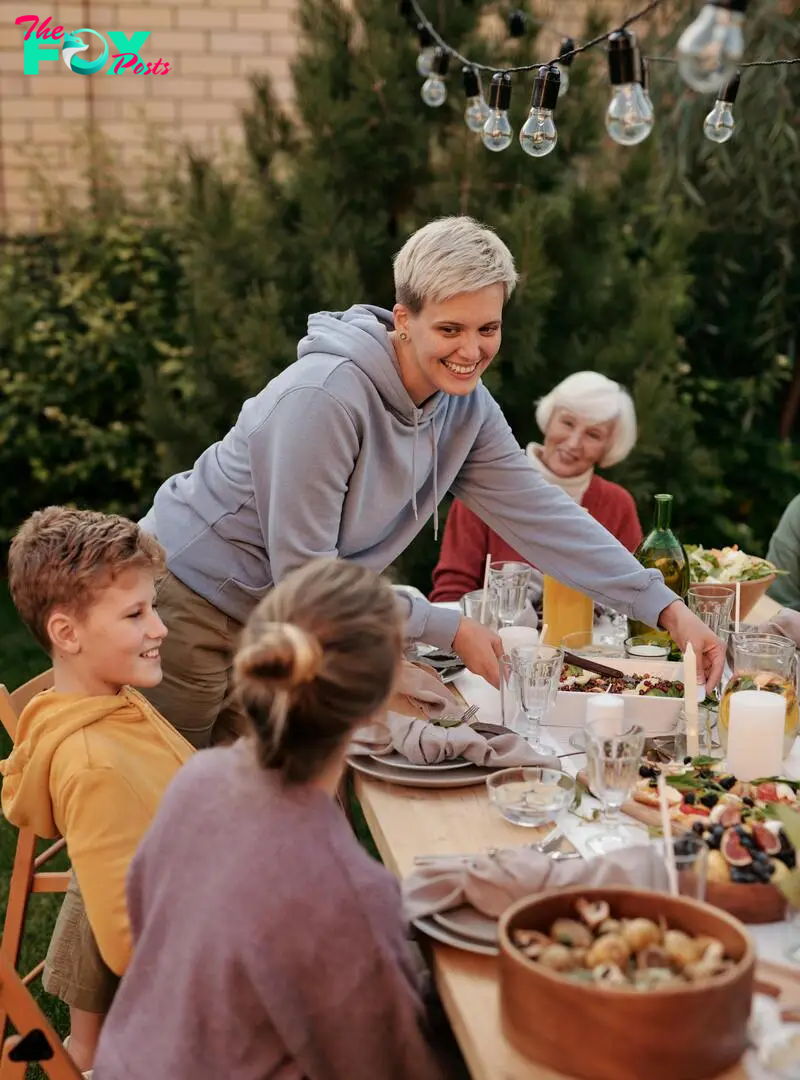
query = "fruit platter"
x=749 y=851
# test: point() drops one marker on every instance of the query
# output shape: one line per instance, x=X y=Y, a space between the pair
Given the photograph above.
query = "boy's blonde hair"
x=62 y=558
x=448 y=256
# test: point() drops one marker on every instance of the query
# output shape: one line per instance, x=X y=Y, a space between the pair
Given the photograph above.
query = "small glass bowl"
x=590 y=643
x=532 y=796
x=643 y=647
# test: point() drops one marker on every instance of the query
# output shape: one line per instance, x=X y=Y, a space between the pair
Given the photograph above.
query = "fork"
x=549 y=847
x=454 y=721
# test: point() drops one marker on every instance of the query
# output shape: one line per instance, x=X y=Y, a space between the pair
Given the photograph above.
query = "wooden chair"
x=38 y=1041
x=27 y=877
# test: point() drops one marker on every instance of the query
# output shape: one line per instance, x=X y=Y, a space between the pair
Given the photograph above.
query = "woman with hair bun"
x=268 y=944
x=588 y=421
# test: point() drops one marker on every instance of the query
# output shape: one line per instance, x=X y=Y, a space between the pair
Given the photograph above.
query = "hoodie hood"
x=361 y=335
x=44 y=726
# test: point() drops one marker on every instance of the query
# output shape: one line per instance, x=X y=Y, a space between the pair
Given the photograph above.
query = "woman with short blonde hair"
x=348 y=453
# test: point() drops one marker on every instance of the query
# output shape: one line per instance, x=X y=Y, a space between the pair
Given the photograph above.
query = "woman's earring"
x=403 y=335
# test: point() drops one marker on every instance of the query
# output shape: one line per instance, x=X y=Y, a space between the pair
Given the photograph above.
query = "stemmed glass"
x=613 y=760
x=538 y=670
x=509 y=582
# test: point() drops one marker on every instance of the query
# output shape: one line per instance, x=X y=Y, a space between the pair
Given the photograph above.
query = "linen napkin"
x=423 y=743
x=420 y=692
x=492 y=882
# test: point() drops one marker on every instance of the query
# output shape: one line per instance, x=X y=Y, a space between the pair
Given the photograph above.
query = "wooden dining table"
x=406 y=822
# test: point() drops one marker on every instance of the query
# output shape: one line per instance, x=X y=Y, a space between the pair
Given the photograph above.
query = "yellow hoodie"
x=94 y=770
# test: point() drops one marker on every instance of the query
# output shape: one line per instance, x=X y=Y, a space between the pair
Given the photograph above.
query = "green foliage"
x=82 y=315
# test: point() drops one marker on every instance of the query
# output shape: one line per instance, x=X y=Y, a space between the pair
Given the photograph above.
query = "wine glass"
x=613 y=760
x=538 y=671
x=509 y=582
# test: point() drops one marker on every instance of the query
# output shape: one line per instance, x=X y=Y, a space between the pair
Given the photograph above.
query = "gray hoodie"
x=333 y=458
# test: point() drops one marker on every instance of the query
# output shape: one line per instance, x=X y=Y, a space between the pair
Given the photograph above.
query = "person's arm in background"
x=301 y=459
x=784 y=552
x=462 y=558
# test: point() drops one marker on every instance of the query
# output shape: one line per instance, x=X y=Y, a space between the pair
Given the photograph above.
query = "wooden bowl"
x=749 y=594
x=691 y=1032
x=751 y=904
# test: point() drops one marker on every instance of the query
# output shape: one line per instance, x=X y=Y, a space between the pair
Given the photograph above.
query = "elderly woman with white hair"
x=588 y=421
x=348 y=453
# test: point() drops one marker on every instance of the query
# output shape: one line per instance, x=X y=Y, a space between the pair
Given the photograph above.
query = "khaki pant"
x=74 y=970
x=196 y=657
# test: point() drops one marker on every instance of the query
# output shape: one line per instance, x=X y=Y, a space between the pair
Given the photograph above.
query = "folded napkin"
x=420 y=692
x=423 y=743
x=491 y=883
x=784 y=623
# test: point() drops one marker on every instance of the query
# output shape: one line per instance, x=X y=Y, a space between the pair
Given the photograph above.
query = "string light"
x=497 y=131
x=707 y=49
x=538 y=135
x=427 y=48
x=477 y=111
x=629 y=118
x=434 y=90
x=565 y=57
x=710 y=48
x=719 y=125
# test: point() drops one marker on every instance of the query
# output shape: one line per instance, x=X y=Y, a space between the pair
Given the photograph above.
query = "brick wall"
x=212 y=47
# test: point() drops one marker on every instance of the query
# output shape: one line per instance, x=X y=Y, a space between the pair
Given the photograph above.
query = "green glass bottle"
x=662 y=550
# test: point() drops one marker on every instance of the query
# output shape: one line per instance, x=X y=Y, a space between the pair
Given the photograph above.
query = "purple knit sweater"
x=268 y=945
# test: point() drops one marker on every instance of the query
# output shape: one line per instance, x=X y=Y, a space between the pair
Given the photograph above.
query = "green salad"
x=727 y=564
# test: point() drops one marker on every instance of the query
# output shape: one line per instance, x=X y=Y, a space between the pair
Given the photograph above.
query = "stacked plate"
x=463 y=928
x=398 y=770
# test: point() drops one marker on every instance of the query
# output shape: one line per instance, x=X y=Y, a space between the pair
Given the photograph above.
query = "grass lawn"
x=21 y=660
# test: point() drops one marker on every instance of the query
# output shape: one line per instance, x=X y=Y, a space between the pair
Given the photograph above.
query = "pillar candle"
x=609 y=712
x=755 y=734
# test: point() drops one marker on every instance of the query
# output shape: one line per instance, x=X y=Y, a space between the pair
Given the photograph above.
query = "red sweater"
x=467 y=540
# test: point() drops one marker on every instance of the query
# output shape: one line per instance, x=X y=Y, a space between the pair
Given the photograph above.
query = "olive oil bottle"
x=662 y=550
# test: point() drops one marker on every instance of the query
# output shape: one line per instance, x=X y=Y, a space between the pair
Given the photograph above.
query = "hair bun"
x=285 y=656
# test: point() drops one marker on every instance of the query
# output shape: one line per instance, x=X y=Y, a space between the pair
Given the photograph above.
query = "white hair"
x=448 y=256
x=597 y=399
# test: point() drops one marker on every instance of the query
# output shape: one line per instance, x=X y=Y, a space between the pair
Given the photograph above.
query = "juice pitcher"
x=767 y=663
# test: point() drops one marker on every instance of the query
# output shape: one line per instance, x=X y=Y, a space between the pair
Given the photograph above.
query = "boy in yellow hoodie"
x=92 y=758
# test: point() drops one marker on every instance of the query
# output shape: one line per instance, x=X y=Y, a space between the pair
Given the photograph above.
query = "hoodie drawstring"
x=435 y=453
x=414 y=466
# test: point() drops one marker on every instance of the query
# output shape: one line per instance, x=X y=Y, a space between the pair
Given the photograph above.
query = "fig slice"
x=734 y=851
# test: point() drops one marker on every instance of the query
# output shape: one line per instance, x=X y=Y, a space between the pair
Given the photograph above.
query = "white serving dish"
x=658 y=716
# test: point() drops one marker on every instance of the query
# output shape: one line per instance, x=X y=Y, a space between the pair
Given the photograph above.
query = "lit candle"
x=755 y=734
x=690 y=701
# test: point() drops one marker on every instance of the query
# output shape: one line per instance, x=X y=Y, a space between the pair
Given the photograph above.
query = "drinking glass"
x=538 y=671
x=712 y=605
x=613 y=761
x=509 y=581
x=510 y=705
x=691 y=862
x=595 y=644
x=472 y=606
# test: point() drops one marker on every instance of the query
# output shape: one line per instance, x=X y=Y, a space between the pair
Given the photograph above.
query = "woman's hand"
x=479 y=648
x=685 y=628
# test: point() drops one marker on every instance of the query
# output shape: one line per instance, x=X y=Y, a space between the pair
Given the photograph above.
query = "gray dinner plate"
x=433 y=929
x=467 y=922
x=397 y=761
x=430 y=777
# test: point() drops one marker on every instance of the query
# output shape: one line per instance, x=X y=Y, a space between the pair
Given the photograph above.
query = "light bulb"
x=427 y=49
x=710 y=48
x=538 y=135
x=434 y=91
x=497 y=131
x=644 y=82
x=565 y=59
x=629 y=118
x=719 y=125
x=477 y=111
